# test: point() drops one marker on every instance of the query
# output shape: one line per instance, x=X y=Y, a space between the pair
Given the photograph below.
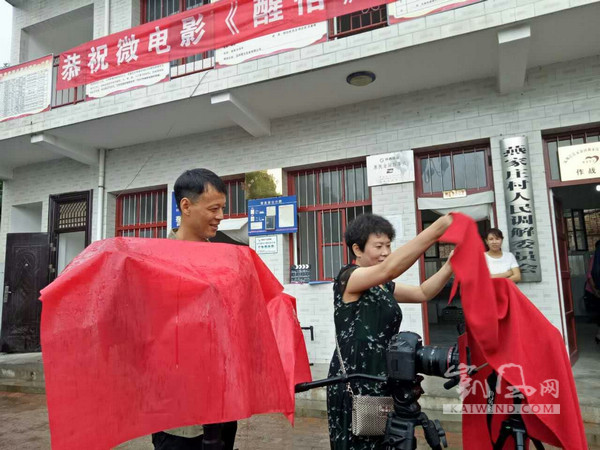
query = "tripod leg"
x=519 y=439
x=433 y=432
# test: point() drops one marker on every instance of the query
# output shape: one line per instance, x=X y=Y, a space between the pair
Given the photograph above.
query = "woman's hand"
x=448 y=262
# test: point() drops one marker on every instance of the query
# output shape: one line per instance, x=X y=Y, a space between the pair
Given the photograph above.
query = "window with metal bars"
x=236 y=205
x=142 y=214
x=552 y=144
x=358 y=22
x=328 y=199
x=157 y=9
x=460 y=168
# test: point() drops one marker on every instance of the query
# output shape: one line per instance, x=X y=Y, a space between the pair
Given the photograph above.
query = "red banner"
x=197 y=30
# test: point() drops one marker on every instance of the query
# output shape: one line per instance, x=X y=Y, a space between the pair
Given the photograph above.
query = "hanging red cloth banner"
x=143 y=335
x=189 y=33
x=528 y=354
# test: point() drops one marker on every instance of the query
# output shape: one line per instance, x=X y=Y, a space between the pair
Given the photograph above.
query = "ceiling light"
x=598 y=187
x=360 y=78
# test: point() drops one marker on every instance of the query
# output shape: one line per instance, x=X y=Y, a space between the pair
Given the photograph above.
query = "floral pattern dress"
x=363 y=330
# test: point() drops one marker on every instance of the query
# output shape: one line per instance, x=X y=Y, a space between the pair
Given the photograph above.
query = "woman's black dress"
x=363 y=330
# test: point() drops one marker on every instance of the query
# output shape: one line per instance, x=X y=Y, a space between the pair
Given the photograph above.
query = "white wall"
x=58 y=34
x=26 y=218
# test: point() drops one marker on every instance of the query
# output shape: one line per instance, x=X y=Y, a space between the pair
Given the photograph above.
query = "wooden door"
x=26 y=273
x=562 y=241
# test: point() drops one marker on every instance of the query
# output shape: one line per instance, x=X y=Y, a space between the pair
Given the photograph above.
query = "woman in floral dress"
x=367 y=314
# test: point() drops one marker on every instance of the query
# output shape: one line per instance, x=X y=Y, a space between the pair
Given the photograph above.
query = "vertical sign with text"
x=520 y=213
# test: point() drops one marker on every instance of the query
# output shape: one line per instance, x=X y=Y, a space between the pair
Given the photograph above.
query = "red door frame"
x=419 y=192
x=563 y=273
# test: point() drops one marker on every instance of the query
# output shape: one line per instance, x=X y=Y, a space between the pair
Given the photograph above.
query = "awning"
x=478 y=206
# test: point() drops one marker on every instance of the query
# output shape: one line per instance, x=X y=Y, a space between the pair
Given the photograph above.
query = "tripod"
x=407 y=414
x=515 y=427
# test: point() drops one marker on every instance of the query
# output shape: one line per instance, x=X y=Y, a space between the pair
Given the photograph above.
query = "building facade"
x=450 y=87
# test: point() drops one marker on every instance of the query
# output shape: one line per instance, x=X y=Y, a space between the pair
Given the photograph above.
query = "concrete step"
x=22 y=366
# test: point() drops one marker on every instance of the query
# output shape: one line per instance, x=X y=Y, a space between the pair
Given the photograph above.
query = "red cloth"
x=143 y=335
x=504 y=327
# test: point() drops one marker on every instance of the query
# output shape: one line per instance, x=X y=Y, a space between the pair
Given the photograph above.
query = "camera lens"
x=433 y=360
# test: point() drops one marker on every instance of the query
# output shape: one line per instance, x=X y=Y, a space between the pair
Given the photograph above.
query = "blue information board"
x=275 y=215
x=175 y=213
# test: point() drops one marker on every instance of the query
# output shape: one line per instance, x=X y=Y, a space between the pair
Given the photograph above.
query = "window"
x=328 y=199
x=462 y=168
x=157 y=9
x=358 y=22
x=236 y=199
x=583 y=229
x=553 y=142
x=142 y=214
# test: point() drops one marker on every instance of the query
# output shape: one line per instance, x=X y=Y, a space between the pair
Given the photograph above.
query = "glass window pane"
x=446 y=173
x=431 y=267
x=350 y=188
x=553 y=159
x=460 y=175
x=305 y=189
x=564 y=142
x=581 y=241
x=331 y=227
x=332 y=260
x=577 y=140
x=125 y=211
x=435 y=174
x=330 y=187
x=143 y=206
x=307 y=240
x=593 y=138
x=480 y=169
x=471 y=170
x=425 y=175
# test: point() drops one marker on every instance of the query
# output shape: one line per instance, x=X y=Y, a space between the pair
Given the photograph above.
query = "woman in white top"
x=501 y=264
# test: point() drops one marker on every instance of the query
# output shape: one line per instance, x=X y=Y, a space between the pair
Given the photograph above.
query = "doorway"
x=450 y=179
x=443 y=317
x=577 y=218
x=69 y=228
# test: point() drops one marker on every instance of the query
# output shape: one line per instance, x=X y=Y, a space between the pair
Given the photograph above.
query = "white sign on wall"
x=266 y=244
x=128 y=81
x=271 y=44
x=390 y=168
x=579 y=162
x=26 y=89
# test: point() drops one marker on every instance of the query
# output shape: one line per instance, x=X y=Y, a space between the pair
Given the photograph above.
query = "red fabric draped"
x=143 y=335
x=506 y=330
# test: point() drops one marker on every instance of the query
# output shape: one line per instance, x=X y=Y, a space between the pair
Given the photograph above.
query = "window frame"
x=336 y=23
x=136 y=228
x=472 y=148
x=320 y=209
